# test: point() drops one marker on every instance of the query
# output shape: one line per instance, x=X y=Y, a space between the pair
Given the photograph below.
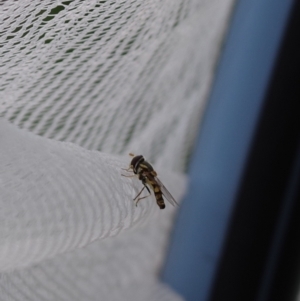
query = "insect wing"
x=166 y=192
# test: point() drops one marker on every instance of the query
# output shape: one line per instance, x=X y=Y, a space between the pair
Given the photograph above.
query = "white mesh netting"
x=111 y=77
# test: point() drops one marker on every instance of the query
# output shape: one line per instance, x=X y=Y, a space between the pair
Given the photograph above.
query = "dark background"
x=237 y=234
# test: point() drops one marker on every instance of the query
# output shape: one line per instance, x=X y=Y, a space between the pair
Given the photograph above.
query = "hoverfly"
x=145 y=172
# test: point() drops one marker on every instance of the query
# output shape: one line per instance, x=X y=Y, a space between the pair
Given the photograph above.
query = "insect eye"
x=136 y=160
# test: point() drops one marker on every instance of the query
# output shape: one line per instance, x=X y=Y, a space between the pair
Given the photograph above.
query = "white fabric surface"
x=83 y=83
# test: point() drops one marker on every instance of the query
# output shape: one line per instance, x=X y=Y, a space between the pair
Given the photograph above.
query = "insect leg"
x=139 y=193
x=147 y=188
x=143 y=179
x=127 y=169
x=127 y=176
x=141 y=198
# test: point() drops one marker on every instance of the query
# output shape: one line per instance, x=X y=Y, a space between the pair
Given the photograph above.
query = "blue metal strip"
x=225 y=136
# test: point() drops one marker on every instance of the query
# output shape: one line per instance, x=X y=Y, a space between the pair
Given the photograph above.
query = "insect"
x=148 y=176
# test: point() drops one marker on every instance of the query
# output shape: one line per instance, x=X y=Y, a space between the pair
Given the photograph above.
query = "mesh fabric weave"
x=100 y=79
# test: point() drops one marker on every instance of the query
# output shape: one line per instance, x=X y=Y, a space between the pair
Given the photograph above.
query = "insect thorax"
x=146 y=167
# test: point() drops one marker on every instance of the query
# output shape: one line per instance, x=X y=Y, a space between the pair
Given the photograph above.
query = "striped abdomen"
x=157 y=192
